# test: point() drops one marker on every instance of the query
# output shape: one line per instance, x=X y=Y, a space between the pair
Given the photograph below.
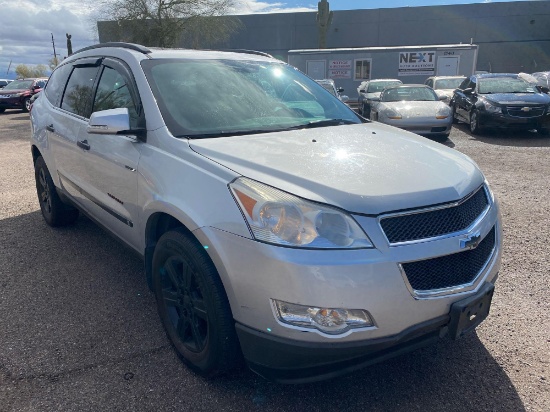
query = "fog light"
x=333 y=321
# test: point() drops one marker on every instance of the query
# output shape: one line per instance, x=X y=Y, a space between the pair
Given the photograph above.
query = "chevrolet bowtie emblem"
x=471 y=241
x=525 y=109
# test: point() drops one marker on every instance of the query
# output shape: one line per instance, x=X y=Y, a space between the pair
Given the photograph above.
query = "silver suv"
x=273 y=221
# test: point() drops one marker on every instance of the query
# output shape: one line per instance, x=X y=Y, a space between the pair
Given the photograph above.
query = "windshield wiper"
x=325 y=122
x=227 y=133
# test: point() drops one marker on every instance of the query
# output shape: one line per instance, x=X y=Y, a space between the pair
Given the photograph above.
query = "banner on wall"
x=416 y=63
x=339 y=69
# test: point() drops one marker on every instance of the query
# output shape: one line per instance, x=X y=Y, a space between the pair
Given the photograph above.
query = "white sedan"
x=415 y=108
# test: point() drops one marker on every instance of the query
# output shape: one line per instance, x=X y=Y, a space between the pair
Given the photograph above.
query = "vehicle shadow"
x=451 y=376
x=514 y=138
x=74 y=299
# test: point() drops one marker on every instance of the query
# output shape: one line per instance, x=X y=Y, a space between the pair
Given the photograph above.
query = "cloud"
x=263 y=7
x=27 y=25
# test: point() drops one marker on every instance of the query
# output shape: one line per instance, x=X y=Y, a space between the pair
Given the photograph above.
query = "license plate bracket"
x=467 y=314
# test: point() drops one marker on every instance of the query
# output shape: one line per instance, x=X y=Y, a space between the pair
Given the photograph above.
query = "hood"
x=416 y=109
x=517 y=98
x=368 y=168
x=13 y=91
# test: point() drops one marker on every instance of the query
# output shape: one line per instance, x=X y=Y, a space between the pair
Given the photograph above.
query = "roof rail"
x=131 y=46
x=244 y=51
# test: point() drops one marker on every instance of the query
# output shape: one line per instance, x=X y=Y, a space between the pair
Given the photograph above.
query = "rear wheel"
x=54 y=211
x=193 y=306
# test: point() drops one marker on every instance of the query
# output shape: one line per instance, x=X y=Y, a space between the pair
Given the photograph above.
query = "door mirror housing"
x=112 y=121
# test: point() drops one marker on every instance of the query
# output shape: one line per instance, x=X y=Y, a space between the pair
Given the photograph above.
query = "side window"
x=57 y=83
x=113 y=93
x=430 y=83
x=78 y=94
x=40 y=83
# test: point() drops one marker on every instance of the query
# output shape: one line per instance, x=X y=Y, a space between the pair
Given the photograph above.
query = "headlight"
x=280 y=218
x=491 y=108
x=392 y=114
x=17 y=95
x=443 y=112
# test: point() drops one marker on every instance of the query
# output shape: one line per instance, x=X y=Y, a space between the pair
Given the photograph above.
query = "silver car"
x=369 y=91
x=273 y=221
x=329 y=85
x=415 y=108
x=444 y=86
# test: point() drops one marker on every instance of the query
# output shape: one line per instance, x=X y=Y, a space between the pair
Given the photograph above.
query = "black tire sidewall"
x=213 y=358
x=24 y=102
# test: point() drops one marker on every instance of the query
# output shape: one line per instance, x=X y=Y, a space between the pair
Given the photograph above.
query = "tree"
x=166 y=23
x=53 y=63
x=24 y=71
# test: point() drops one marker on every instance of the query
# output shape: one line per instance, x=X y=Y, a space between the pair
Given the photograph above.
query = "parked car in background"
x=413 y=107
x=279 y=224
x=17 y=94
x=501 y=101
x=4 y=83
x=331 y=87
x=370 y=90
x=444 y=86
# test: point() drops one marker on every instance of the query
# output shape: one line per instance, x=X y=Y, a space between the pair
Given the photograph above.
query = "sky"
x=26 y=26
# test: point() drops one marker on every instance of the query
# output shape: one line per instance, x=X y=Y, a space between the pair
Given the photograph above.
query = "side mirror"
x=363 y=91
x=36 y=87
x=544 y=89
x=112 y=121
x=340 y=90
x=443 y=97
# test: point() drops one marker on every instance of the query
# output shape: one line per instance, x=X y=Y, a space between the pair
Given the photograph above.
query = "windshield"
x=416 y=94
x=448 y=83
x=504 y=85
x=375 y=87
x=210 y=98
x=19 y=84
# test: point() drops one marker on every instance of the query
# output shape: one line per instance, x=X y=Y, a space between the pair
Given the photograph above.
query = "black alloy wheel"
x=55 y=212
x=193 y=306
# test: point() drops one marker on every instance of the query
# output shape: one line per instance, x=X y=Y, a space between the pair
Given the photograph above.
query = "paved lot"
x=79 y=328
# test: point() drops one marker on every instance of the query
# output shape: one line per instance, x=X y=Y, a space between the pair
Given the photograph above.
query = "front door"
x=316 y=69
x=447 y=66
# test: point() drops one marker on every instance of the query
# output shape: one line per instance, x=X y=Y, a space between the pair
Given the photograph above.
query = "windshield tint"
x=448 y=83
x=205 y=98
x=375 y=87
x=19 y=84
x=504 y=85
x=398 y=94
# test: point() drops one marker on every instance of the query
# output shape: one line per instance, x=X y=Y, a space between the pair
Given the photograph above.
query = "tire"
x=474 y=122
x=365 y=110
x=26 y=104
x=55 y=212
x=2 y=110
x=193 y=306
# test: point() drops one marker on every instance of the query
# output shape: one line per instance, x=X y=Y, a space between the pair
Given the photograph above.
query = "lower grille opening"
x=451 y=270
x=438 y=129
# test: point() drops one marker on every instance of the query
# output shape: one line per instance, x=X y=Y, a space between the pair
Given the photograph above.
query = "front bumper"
x=11 y=103
x=288 y=361
x=499 y=121
x=422 y=126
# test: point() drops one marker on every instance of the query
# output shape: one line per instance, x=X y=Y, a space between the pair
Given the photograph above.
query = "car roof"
x=118 y=49
x=384 y=80
x=494 y=75
x=447 y=77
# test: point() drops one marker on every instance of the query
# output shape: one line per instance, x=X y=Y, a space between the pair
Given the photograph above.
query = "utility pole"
x=54 y=54
x=8 y=72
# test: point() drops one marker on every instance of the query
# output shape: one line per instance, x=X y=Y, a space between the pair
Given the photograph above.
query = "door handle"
x=83 y=144
x=50 y=128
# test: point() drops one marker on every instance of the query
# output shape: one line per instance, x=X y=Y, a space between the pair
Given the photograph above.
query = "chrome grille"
x=525 y=111
x=452 y=270
x=436 y=222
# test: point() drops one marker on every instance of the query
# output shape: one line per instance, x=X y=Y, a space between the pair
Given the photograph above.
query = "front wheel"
x=193 y=306
x=474 y=122
x=55 y=212
x=26 y=104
